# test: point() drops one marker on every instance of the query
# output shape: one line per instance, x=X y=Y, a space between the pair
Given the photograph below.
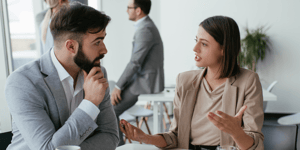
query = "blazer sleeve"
x=29 y=111
x=106 y=135
x=254 y=116
x=171 y=136
x=143 y=43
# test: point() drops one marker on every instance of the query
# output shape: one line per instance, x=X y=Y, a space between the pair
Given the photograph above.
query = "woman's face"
x=208 y=52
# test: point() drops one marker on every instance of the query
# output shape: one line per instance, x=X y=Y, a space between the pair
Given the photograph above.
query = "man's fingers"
x=241 y=111
x=95 y=70
x=119 y=96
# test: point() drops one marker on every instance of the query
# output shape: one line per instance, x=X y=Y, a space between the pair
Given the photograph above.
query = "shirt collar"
x=62 y=73
x=136 y=24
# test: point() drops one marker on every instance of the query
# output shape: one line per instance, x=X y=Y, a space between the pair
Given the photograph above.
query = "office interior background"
x=177 y=21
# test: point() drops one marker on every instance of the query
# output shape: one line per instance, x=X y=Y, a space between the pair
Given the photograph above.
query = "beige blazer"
x=242 y=89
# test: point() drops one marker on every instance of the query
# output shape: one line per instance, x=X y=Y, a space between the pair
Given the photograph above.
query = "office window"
x=22 y=32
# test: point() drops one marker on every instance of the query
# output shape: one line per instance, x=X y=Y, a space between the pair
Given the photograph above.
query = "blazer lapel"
x=229 y=101
x=55 y=86
x=187 y=110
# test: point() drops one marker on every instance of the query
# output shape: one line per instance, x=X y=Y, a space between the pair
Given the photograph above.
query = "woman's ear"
x=71 y=46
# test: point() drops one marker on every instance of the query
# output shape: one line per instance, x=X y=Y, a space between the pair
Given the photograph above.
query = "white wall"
x=178 y=21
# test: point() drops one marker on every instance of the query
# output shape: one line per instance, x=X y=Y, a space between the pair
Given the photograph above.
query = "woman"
x=221 y=88
x=46 y=39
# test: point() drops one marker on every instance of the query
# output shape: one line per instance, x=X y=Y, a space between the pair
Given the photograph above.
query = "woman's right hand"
x=132 y=132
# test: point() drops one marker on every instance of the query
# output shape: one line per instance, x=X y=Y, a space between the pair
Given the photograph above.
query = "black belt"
x=202 y=147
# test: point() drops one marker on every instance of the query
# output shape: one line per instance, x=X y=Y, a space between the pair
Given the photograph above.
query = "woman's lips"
x=197 y=58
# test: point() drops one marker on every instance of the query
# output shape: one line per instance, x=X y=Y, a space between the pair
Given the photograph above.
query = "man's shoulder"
x=30 y=70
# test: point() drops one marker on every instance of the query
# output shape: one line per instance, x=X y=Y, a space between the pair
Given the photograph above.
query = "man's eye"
x=98 y=43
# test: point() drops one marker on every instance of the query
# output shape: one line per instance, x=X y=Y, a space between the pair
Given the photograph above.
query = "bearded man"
x=62 y=98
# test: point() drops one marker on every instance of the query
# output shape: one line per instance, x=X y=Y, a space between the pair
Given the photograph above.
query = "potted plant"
x=253 y=47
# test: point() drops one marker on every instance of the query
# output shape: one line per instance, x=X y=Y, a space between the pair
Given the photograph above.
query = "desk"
x=168 y=96
x=137 y=147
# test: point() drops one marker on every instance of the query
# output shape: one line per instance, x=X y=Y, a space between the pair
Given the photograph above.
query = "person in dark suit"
x=63 y=97
x=144 y=74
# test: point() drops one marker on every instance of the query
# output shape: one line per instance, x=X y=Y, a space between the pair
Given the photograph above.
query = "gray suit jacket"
x=144 y=74
x=41 y=120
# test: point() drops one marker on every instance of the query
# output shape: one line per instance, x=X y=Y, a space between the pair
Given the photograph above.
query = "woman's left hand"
x=226 y=123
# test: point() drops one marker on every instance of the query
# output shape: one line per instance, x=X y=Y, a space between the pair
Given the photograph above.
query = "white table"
x=137 y=147
x=166 y=96
x=290 y=119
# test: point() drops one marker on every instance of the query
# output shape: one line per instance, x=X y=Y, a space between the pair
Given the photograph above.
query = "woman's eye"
x=204 y=44
x=196 y=40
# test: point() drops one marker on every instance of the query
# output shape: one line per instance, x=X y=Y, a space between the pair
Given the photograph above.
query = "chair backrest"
x=5 y=139
x=269 y=89
x=271 y=86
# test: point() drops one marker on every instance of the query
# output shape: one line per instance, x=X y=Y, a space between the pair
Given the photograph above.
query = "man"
x=144 y=74
x=62 y=98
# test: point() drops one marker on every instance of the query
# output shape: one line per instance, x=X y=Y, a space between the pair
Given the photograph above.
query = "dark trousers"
x=128 y=100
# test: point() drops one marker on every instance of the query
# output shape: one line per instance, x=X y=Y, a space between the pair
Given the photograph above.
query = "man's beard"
x=83 y=62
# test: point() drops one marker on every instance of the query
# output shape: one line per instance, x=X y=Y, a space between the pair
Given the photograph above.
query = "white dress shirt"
x=74 y=96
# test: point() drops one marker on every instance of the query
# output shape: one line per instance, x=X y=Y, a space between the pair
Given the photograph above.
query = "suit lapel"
x=187 y=110
x=229 y=101
x=55 y=86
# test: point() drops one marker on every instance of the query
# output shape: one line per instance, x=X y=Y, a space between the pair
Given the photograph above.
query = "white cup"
x=68 y=147
x=227 y=148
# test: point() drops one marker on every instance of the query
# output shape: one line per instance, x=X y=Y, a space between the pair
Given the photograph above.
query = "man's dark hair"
x=226 y=32
x=74 y=20
x=145 y=5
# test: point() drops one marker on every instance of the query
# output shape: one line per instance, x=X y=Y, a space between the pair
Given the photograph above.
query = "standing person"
x=46 y=38
x=234 y=93
x=144 y=74
x=62 y=98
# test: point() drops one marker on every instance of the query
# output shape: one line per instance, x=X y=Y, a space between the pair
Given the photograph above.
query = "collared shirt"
x=137 y=23
x=74 y=96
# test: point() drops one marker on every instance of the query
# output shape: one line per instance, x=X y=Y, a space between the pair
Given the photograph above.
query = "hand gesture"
x=94 y=85
x=226 y=123
x=115 y=96
x=132 y=132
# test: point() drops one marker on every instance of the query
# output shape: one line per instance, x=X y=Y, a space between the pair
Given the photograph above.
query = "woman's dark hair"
x=74 y=20
x=226 y=32
x=145 y=5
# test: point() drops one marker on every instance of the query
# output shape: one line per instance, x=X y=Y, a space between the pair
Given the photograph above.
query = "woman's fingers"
x=241 y=112
x=217 y=118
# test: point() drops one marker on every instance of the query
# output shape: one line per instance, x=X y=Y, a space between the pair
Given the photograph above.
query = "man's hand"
x=95 y=85
x=115 y=96
x=228 y=124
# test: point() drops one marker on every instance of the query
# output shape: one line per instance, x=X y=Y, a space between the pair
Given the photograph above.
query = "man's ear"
x=71 y=46
x=138 y=11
